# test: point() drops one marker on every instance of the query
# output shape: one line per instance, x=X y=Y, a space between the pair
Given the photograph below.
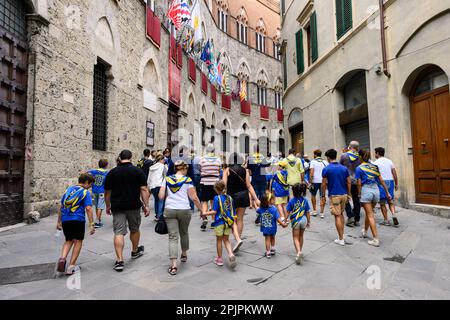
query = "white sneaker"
x=340 y=242
x=322 y=216
x=314 y=213
x=364 y=233
x=374 y=242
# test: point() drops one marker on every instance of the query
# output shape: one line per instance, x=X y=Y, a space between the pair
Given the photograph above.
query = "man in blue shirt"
x=257 y=164
x=75 y=203
x=98 y=189
x=337 y=179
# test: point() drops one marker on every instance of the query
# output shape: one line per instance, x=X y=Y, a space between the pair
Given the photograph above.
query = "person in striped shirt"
x=210 y=166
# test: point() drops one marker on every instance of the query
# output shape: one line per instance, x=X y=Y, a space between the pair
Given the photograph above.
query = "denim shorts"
x=98 y=200
x=316 y=187
x=370 y=193
x=390 y=184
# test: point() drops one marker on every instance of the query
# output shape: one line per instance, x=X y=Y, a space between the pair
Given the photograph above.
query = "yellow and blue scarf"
x=226 y=210
x=370 y=170
x=352 y=155
x=282 y=179
x=175 y=184
x=258 y=158
x=298 y=213
x=74 y=199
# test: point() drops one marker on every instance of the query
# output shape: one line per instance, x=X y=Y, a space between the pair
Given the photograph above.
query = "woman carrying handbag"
x=177 y=189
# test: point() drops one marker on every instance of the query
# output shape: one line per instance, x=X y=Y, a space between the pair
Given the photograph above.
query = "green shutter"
x=348 y=20
x=300 y=53
x=344 y=20
x=314 y=45
x=284 y=71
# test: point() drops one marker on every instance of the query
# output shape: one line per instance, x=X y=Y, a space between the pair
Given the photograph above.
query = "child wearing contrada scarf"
x=224 y=217
x=299 y=213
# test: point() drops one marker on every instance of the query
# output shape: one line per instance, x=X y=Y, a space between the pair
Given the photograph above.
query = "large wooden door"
x=430 y=117
x=13 y=105
x=172 y=126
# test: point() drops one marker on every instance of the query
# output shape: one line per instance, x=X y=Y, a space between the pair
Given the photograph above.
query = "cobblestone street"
x=329 y=271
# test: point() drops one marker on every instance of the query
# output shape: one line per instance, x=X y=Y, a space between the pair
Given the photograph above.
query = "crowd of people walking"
x=224 y=189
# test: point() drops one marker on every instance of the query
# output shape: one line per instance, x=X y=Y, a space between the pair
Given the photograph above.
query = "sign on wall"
x=150 y=100
x=150 y=133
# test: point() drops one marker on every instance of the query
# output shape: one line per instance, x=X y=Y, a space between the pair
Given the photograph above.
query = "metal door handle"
x=423 y=143
x=446 y=140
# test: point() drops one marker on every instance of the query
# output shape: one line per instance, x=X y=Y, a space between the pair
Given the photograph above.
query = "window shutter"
x=314 y=48
x=348 y=20
x=300 y=53
x=284 y=71
x=344 y=20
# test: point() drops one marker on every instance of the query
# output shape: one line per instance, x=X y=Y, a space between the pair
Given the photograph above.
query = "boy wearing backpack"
x=224 y=216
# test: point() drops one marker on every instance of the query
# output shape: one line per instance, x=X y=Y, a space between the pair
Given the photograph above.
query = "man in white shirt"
x=316 y=167
x=389 y=175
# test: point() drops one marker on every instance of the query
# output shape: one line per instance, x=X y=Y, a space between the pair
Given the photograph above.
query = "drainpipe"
x=383 y=40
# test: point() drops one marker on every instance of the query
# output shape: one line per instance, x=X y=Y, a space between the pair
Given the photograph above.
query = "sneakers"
x=314 y=213
x=322 y=216
x=374 y=242
x=350 y=222
x=395 y=221
x=237 y=246
x=385 y=223
x=119 y=265
x=273 y=251
x=299 y=259
x=98 y=225
x=233 y=262
x=218 y=261
x=204 y=224
x=61 y=267
x=356 y=224
x=340 y=242
x=268 y=254
x=138 y=253
x=364 y=233
x=72 y=270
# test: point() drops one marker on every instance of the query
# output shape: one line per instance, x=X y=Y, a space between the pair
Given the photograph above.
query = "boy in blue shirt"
x=224 y=217
x=299 y=212
x=269 y=216
x=98 y=190
x=76 y=201
x=336 y=178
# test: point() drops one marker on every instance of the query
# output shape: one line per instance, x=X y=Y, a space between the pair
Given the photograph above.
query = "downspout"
x=383 y=40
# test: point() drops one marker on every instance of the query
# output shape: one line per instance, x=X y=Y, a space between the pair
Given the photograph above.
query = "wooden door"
x=172 y=126
x=430 y=116
x=13 y=106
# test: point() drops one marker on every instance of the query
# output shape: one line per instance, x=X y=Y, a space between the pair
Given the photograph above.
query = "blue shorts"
x=98 y=201
x=370 y=193
x=315 y=187
x=390 y=184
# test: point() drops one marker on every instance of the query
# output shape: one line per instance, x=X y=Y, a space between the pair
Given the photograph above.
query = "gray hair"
x=354 y=145
x=210 y=148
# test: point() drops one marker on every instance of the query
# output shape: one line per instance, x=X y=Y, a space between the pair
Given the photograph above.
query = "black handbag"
x=161 y=226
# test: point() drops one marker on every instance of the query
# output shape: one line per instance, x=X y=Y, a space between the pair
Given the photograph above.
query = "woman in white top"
x=156 y=176
x=177 y=190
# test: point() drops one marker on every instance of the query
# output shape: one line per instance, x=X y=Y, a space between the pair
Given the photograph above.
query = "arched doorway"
x=295 y=124
x=281 y=143
x=13 y=105
x=244 y=140
x=430 y=125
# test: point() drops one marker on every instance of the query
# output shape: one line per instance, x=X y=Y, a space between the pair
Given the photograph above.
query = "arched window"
x=432 y=81
x=222 y=15
x=261 y=36
x=262 y=88
x=241 y=25
x=203 y=121
x=244 y=139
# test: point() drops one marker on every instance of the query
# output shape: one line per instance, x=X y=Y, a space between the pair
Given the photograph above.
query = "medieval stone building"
x=83 y=79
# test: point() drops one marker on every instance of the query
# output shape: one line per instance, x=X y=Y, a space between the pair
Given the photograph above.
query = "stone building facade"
x=346 y=79
x=77 y=54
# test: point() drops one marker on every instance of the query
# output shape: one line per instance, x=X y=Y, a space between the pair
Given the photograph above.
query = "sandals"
x=183 y=258
x=173 y=270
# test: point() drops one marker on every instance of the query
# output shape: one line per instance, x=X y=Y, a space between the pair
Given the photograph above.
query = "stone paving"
x=329 y=271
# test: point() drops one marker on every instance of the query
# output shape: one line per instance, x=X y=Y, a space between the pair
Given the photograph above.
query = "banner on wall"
x=174 y=83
